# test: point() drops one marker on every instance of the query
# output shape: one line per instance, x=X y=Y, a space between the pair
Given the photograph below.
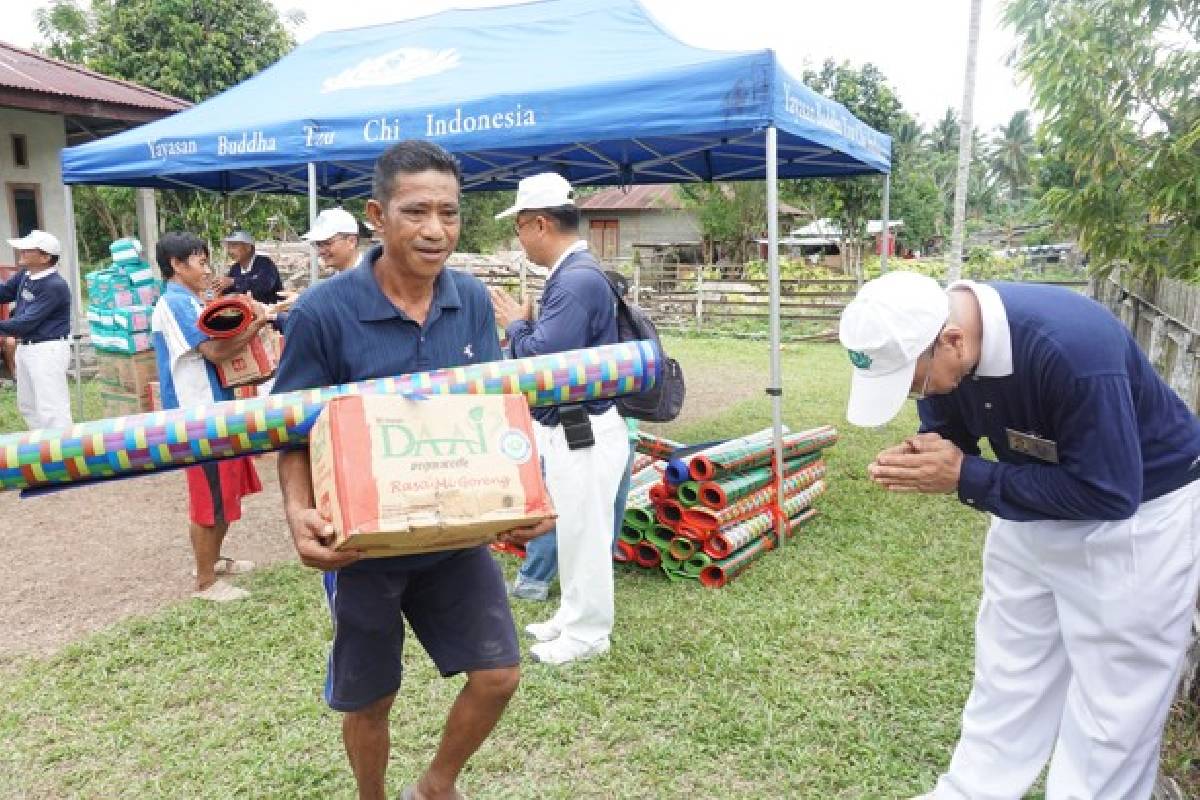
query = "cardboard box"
x=255 y=363
x=127 y=373
x=153 y=396
x=399 y=476
x=121 y=404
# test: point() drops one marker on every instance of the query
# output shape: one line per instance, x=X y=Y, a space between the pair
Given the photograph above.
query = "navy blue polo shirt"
x=1079 y=380
x=578 y=310
x=43 y=307
x=345 y=329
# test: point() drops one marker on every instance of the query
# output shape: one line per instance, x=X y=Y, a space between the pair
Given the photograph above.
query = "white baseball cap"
x=330 y=223
x=39 y=240
x=886 y=328
x=544 y=190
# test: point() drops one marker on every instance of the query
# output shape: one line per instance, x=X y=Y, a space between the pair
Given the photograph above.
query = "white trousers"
x=583 y=484
x=1079 y=644
x=42 y=394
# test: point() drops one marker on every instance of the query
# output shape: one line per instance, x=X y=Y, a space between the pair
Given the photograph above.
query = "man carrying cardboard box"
x=187 y=377
x=399 y=311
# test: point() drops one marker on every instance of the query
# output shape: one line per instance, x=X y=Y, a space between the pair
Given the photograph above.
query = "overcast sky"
x=920 y=45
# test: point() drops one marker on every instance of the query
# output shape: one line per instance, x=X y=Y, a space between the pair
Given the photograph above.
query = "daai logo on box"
x=400 y=440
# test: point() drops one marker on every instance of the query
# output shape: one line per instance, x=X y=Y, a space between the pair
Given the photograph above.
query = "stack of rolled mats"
x=707 y=514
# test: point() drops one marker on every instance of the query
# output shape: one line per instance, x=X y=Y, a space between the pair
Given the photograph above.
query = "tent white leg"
x=314 y=266
x=146 y=204
x=884 y=231
x=75 y=279
x=775 y=389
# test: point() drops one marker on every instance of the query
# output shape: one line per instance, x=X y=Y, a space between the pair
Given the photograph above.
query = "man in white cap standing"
x=1092 y=560
x=41 y=324
x=584 y=447
x=335 y=235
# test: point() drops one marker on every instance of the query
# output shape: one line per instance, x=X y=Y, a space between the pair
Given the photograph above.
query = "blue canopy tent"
x=596 y=90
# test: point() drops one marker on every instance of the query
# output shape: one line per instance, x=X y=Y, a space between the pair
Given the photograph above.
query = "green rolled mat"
x=708 y=521
x=631 y=534
x=720 y=493
x=660 y=536
x=710 y=466
x=670 y=564
x=719 y=573
x=729 y=540
x=656 y=447
x=696 y=564
x=640 y=517
x=689 y=493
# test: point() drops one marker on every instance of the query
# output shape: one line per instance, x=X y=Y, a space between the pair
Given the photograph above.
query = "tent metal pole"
x=314 y=267
x=884 y=230
x=775 y=390
x=77 y=313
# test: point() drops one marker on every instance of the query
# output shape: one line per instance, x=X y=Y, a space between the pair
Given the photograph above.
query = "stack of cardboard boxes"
x=121 y=301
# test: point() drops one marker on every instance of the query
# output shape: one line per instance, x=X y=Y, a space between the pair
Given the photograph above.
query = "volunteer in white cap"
x=585 y=447
x=335 y=235
x=1092 y=560
x=251 y=272
x=41 y=324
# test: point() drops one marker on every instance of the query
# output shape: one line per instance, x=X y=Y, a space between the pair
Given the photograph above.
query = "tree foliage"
x=191 y=49
x=1115 y=82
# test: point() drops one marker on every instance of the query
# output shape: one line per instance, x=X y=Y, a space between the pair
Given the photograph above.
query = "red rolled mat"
x=624 y=553
x=225 y=317
x=722 y=572
x=660 y=492
x=670 y=512
x=647 y=555
x=697 y=536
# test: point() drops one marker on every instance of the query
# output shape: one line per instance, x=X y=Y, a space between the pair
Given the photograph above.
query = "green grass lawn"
x=834 y=668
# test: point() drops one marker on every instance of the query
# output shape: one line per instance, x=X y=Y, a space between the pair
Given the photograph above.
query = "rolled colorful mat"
x=688 y=493
x=708 y=521
x=711 y=466
x=659 y=492
x=720 y=493
x=681 y=548
x=696 y=564
x=727 y=541
x=695 y=535
x=225 y=317
x=623 y=553
x=141 y=443
x=647 y=555
x=640 y=462
x=720 y=572
x=657 y=447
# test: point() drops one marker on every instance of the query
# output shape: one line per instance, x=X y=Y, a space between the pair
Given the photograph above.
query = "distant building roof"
x=656 y=197
x=632 y=198
x=35 y=82
x=827 y=228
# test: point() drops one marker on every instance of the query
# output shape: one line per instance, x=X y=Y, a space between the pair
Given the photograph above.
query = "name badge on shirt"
x=1034 y=446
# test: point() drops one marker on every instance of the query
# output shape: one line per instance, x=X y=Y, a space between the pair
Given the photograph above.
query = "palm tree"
x=944 y=136
x=1012 y=154
x=954 y=255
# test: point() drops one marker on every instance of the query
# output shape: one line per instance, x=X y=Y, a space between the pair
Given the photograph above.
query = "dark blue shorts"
x=456 y=605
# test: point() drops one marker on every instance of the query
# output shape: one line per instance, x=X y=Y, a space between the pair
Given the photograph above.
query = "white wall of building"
x=45 y=138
